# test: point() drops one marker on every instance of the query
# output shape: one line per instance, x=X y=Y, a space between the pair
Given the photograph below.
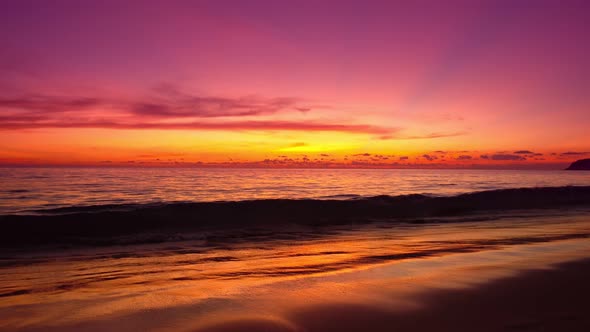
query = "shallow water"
x=263 y=276
x=25 y=189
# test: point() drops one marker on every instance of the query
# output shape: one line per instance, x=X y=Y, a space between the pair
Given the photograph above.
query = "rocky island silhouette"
x=580 y=165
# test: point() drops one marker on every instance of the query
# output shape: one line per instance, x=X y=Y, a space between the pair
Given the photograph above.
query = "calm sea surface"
x=26 y=189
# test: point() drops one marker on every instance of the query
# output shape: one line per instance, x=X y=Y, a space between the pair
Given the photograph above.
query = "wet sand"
x=519 y=273
x=553 y=299
x=542 y=300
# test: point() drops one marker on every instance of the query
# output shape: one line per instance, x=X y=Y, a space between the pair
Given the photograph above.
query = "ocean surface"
x=213 y=250
x=24 y=190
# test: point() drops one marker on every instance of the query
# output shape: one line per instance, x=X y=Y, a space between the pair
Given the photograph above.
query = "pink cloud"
x=237 y=125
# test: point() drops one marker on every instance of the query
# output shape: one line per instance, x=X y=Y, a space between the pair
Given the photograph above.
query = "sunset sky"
x=295 y=83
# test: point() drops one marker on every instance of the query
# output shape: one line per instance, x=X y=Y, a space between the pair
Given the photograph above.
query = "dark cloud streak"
x=573 y=153
x=237 y=125
x=507 y=157
x=163 y=106
x=426 y=136
x=169 y=109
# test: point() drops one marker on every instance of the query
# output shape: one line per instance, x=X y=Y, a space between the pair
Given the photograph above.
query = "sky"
x=476 y=84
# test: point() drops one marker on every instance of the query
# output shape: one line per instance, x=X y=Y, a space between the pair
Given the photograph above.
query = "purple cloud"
x=506 y=157
x=573 y=153
x=234 y=125
x=166 y=109
x=161 y=106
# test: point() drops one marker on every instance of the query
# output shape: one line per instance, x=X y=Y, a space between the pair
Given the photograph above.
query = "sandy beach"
x=535 y=300
x=523 y=271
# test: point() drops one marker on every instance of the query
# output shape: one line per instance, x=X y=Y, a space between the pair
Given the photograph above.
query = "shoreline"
x=547 y=293
x=378 y=277
x=100 y=225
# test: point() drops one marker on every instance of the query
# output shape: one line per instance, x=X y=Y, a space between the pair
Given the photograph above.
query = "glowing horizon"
x=262 y=84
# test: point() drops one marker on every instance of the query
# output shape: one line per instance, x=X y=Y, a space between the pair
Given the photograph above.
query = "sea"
x=190 y=249
x=26 y=190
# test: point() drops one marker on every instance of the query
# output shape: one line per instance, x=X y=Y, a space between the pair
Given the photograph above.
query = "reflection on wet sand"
x=338 y=278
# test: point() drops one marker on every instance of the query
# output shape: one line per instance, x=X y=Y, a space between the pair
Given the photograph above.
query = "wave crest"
x=95 y=224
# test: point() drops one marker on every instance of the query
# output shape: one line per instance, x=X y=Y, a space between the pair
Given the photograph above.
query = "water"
x=265 y=276
x=191 y=285
x=26 y=189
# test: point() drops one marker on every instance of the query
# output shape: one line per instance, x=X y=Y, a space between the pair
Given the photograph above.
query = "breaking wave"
x=100 y=224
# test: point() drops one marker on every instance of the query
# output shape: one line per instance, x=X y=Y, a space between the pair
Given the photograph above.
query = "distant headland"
x=580 y=165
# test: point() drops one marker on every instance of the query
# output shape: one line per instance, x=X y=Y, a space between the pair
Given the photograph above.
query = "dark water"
x=26 y=189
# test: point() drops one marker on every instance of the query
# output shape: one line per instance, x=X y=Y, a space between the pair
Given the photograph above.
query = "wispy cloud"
x=160 y=105
x=168 y=109
x=506 y=157
x=573 y=153
x=426 y=136
x=41 y=103
x=234 y=125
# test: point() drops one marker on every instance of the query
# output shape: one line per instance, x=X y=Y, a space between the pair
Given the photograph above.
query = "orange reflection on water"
x=265 y=277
